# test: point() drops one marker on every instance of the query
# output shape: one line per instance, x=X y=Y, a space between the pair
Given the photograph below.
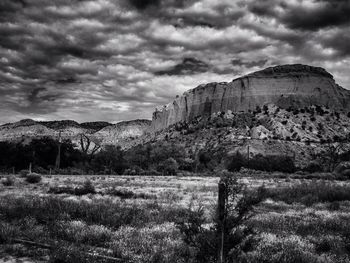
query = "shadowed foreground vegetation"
x=144 y=219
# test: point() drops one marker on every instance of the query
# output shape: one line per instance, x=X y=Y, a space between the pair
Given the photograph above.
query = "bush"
x=151 y=244
x=23 y=173
x=346 y=173
x=273 y=163
x=231 y=220
x=39 y=170
x=122 y=193
x=269 y=163
x=169 y=166
x=236 y=163
x=7 y=231
x=87 y=188
x=68 y=254
x=283 y=249
x=9 y=181
x=33 y=178
x=62 y=190
x=79 y=232
x=310 y=193
x=313 y=167
x=125 y=194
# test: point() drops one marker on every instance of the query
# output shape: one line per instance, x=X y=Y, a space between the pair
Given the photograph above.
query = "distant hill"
x=99 y=132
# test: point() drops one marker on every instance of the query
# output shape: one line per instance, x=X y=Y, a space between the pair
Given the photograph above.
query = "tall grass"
x=309 y=193
x=105 y=212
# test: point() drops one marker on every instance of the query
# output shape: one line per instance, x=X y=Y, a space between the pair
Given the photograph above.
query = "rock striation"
x=102 y=133
x=285 y=86
x=123 y=131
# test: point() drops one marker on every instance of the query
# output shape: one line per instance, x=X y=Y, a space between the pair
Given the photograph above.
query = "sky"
x=114 y=60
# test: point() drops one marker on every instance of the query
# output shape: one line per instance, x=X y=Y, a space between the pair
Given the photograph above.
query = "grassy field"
x=132 y=218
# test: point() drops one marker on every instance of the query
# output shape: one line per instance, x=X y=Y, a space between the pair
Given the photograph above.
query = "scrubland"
x=133 y=218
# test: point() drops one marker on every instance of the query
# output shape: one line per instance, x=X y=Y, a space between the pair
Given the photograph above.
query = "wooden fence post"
x=248 y=154
x=221 y=218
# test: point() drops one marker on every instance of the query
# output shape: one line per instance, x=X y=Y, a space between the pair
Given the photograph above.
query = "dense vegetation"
x=153 y=158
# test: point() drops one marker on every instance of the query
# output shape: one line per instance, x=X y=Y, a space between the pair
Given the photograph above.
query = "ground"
x=133 y=218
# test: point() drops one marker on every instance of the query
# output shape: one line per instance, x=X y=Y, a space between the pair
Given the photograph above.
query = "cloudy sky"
x=116 y=60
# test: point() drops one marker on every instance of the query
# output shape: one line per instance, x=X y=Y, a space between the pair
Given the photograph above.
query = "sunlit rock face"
x=285 y=86
x=127 y=130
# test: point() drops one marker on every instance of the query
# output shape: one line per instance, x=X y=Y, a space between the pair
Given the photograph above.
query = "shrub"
x=346 y=173
x=68 y=254
x=125 y=194
x=23 y=173
x=7 y=231
x=265 y=109
x=9 y=181
x=33 y=178
x=283 y=249
x=169 y=166
x=313 y=167
x=269 y=163
x=39 y=170
x=61 y=190
x=151 y=243
x=236 y=163
x=272 y=163
x=122 y=193
x=310 y=193
x=79 y=232
x=231 y=219
x=87 y=188
x=257 y=110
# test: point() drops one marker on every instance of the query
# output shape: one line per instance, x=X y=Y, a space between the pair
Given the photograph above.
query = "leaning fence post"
x=221 y=218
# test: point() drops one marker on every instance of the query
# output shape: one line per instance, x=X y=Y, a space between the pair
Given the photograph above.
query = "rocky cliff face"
x=100 y=132
x=285 y=86
x=123 y=131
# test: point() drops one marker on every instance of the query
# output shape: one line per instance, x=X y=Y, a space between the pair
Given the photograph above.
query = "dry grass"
x=133 y=217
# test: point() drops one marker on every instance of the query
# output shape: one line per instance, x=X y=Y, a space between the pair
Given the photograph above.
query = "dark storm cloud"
x=317 y=15
x=327 y=14
x=339 y=41
x=188 y=66
x=143 y=4
x=40 y=99
x=110 y=60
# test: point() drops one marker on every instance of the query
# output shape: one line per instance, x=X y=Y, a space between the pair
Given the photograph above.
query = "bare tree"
x=332 y=153
x=58 y=157
x=88 y=146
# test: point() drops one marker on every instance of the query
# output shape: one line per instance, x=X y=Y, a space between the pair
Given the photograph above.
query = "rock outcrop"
x=285 y=86
x=123 y=131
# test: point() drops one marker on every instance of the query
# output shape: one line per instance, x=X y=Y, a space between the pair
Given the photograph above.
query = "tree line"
x=157 y=158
